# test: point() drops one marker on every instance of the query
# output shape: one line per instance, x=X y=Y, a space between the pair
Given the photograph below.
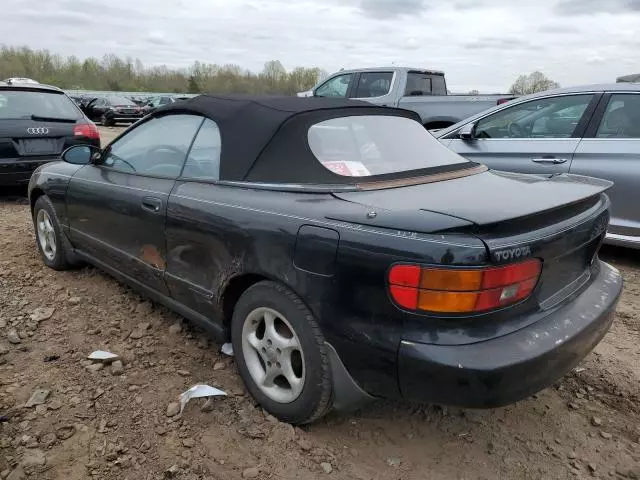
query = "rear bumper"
x=506 y=369
x=19 y=172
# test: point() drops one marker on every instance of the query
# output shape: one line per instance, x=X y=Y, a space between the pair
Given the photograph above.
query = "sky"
x=480 y=44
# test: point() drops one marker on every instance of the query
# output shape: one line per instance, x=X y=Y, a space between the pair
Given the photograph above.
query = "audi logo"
x=38 y=131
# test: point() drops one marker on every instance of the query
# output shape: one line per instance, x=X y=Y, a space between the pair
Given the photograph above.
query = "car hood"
x=486 y=198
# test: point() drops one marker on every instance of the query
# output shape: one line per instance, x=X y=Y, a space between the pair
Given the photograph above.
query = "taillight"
x=460 y=290
x=86 y=130
x=503 y=100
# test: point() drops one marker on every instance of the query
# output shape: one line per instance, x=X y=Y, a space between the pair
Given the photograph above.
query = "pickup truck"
x=423 y=91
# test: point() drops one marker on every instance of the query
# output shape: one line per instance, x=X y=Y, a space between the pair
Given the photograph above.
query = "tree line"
x=131 y=75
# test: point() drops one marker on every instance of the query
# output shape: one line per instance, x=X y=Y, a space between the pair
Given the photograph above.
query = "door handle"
x=152 y=204
x=550 y=160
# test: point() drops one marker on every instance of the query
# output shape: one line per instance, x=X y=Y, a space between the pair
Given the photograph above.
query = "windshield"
x=362 y=146
x=16 y=104
x=121 y=101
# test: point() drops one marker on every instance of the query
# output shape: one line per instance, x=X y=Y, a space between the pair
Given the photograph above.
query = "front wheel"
x=52 y=243
x=281 y=353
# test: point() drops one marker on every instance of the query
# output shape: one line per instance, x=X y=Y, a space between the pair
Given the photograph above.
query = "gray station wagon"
x=589 y=130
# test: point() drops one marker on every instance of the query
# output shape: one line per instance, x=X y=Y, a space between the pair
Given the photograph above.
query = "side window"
x=374 y=84
x=101 y=102
x=336 y=87
x=156 y=147
x=622 y=117
x=204 y=158
x=420 y=84
x=555 y=117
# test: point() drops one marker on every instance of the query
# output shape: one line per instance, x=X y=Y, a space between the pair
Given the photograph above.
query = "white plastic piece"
x=102 y=356
x=199 y=391
x=227 y=349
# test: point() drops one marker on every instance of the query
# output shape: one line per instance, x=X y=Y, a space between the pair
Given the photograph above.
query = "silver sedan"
x=591 y=130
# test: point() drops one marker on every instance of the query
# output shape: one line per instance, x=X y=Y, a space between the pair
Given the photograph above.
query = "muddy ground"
x=104 y=423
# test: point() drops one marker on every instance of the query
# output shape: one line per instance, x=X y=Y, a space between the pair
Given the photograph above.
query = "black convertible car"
x=345 y=252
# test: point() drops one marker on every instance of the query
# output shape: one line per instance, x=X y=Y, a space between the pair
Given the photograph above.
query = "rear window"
x=16 y=104
x=362 y=146
x=420 y=84
x=120 y=101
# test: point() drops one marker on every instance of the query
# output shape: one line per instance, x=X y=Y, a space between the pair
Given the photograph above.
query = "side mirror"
x=467 y=132
x=81 y=154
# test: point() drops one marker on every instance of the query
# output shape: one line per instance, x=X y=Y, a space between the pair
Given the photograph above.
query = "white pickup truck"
x=423 y=91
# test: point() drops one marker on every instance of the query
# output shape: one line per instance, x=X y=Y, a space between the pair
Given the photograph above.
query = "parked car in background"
x=344 y=251
x=109 y=110
x=589 y=130
x=156 y=102
x=423 y=91
x=37 y=122
x=20 y=80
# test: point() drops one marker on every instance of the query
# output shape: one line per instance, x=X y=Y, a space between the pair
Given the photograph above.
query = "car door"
x=537 y=136
x=117 y=207
x=197 y=237
x=611 y=150
x=374 y=87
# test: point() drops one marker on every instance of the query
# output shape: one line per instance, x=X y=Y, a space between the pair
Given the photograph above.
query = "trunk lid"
x=560 y=219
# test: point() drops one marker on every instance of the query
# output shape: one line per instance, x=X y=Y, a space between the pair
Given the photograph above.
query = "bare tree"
x=532 y=83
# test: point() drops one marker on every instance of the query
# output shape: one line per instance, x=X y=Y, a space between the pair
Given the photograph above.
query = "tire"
x=309 y=395
x=104 y=120
x=59 y=257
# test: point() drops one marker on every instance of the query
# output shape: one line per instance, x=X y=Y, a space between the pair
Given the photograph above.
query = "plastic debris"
x=102 y=356
x=227 y=349
x=579 y=370
x=199 y=391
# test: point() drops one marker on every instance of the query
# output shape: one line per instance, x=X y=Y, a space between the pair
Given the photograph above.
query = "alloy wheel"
x=46 y=235
x=273 y=355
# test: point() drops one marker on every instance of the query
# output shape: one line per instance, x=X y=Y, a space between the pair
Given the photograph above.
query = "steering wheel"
x=120 y=159
x=515 y=130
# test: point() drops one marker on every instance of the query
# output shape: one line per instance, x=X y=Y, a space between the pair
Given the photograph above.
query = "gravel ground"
x=112 y=422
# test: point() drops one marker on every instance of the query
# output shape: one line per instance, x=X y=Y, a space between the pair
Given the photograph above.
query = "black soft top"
x=264 y=139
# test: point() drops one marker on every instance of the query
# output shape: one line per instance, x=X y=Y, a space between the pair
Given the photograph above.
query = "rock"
x=38 y=397
x=203 y=342
x=326 y=467
x=172 y=471
x=55 y=405
x=304 y=444
x=591 y=467
x=42 y=313
x=282 y=434
x=173 y=409
x=74 y=301
x=117 y=368
x=394 y=462
x=51 y=358
x=13 y=337
x=189 y=442
x=33 y=458
x=48 y=440
x=144 y=308
x=572 y=455
x=41 y=410
x=596 y=421
x=573 y=406
x=161 y=431
x=140 y=331
x=65 y=432
x=97 y=394
x=183 y=373
x=3 y=349
x=605 y=435
x=175 y=329
x=252 y=472
x=95 y=367
x=219 y=366
x=102 y=426
x=16 y=474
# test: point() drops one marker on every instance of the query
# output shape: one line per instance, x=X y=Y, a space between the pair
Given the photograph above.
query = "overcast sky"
x=483 y=44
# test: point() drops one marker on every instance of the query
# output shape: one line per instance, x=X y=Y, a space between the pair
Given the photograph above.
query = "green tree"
x=533 y=83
